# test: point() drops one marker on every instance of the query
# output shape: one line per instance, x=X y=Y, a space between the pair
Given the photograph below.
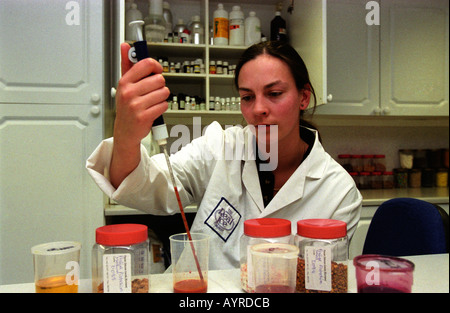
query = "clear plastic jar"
x=388 y=180
x=322 y=243
x=368 y=165
x=365 y=180
x=260 y=230
x=344 y=161
x=377 y=180
x=120 y=259
x=356 y=162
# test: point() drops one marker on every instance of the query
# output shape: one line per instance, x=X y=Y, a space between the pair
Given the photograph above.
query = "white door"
x=51 y=119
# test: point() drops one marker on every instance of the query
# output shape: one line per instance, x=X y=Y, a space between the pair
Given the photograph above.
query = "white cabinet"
x=399 y=67
x=51 y=119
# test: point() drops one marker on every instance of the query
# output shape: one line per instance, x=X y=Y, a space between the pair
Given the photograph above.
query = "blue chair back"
x=407 y=226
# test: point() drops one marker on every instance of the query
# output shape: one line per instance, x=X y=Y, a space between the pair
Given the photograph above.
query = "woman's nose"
x=260 y=107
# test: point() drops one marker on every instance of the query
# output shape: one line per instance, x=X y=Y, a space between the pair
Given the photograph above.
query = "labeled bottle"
x=175 y=103
x=256 y=231
x=132 y=14
x=155 y=26
x=179 y=29
x=278 y=30
x=217 y=104
x=252 y=26
x=211 y=103
x=237 y=28
x=220 y=26
x=120 y=259
x=197 y=31
x=167 y=15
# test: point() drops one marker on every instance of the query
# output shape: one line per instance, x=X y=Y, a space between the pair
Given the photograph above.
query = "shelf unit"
x=204 y=85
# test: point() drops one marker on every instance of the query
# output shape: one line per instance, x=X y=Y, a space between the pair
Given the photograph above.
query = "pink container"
x=383 y=274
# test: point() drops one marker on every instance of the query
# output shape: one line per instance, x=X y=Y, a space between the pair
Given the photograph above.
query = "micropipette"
x=137 y=53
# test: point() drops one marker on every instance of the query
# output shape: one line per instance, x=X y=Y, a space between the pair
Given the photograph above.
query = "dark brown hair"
x=288 y=55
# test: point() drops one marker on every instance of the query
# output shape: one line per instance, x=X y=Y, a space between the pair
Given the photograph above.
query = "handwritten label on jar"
x=117 y=273
x=318 y=268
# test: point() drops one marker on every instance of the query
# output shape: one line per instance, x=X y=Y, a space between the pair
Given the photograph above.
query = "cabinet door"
x=414 y=57
x=352 y=60
x=51 y=119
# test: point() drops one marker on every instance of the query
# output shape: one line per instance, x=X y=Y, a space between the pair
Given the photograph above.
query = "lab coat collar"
x=312 y=167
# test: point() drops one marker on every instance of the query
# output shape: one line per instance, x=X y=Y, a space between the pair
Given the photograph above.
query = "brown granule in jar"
x=137 y=286
x=339 y=278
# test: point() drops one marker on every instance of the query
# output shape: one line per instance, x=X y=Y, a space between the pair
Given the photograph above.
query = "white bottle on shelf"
x=132 y=14
x=220 y=26
x=237 y=29
x=155 y=25
x=252 y=29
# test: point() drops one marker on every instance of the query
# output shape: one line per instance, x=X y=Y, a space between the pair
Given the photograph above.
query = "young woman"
x=302 y=181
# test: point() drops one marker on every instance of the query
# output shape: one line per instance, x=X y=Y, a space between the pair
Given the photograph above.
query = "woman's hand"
x=140 y=99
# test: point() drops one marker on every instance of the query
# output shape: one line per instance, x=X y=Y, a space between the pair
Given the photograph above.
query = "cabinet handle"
x=113 y=92
x=330 y=97
x=387 y=111
x=377 y=111
x=95 y=110
x=95 y=98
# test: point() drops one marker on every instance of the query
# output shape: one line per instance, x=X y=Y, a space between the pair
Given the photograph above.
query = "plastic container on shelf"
x=415 y=178
x=252 y=26
x=356 y=162
x=344 y=161
x=168 y=18
x=221 y=26
x=388 y=180
x=377 y=180
x=256 y=231
x=237 y=28
x=120 y=259
x=365 y=180
x=442 y=177
x=401 y=177
x=379 y=162
x=406 y=157
x=132 y=14
x=428 y=177
x=155 y=25
x=368 y=165
x=322 y=243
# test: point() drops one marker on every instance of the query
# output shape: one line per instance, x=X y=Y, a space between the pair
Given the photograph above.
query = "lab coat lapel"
x=251 y=183
x=290 y=192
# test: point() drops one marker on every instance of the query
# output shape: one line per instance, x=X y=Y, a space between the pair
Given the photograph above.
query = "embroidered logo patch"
x=224 y=219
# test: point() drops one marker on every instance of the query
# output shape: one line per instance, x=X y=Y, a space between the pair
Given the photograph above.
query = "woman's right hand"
x=140 y=99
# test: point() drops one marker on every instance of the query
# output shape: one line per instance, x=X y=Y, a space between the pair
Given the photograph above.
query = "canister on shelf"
x=377 y=180
x=420 y=158
x=368 y=165
x=356 y=162
x=344 y=161
x=442 y=177
x=379 y=162
x=365 y=180
x=322 y=243
x=256 y=231
x=415 y=178
x=388 y=180
x=406 y=158
x=401 y=177
x=428 y=177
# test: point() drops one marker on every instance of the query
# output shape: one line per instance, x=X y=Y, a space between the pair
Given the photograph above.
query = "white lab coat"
x=228 y=191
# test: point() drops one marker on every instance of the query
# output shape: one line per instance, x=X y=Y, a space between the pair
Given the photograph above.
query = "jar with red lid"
x=256 y=231
x=323 y=244
x=120 y=259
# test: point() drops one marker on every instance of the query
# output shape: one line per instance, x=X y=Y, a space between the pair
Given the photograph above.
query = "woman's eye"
x=275 y=93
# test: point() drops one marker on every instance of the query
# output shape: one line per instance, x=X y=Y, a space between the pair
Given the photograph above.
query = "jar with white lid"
x=322 y=243
x=256 y=231
x=120 y=259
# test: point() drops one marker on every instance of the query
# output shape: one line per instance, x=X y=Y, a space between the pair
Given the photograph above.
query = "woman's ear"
x=305 y=97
